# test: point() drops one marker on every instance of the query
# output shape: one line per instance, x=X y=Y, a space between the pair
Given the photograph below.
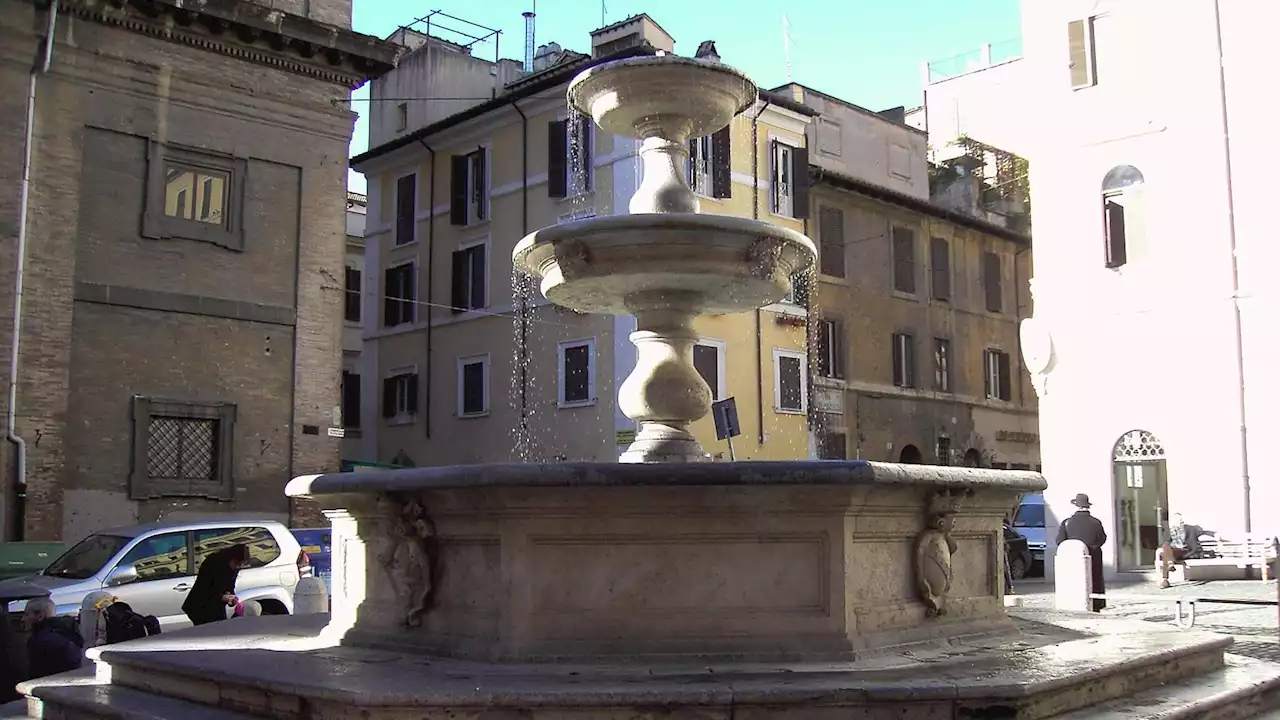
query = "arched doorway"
x=910 y=455
x=1142 y=498
x=972 y=458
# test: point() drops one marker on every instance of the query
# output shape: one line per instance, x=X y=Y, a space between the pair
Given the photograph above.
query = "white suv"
x=152 y=567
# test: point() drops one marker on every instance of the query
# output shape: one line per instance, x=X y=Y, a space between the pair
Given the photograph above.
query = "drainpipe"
x=1235 y=280
x=755 y=215
x=431 y=266
x=524 y=301
x=44 y=60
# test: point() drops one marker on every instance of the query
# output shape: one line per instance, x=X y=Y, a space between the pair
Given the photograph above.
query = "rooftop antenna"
x=603 y=10
x=786 y=43
x=528 y=38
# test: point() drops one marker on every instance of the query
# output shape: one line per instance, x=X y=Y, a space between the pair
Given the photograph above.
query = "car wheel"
x=1018 y=567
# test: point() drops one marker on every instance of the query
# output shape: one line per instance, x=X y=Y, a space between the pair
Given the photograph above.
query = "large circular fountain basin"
x=705 y=264
x=638 y=97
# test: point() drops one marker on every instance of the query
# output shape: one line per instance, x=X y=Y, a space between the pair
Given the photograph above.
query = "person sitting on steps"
x=1184 y=544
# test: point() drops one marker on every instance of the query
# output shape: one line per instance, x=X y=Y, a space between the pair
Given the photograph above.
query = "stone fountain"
x=661 y=587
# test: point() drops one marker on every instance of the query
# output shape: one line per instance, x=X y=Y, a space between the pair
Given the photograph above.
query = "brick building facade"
x=180 y=340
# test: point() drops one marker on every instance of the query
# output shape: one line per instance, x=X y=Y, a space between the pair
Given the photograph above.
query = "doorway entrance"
x=1142 y=499
x=911 y=455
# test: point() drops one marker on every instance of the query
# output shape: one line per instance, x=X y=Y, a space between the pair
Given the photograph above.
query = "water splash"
x=525 y=447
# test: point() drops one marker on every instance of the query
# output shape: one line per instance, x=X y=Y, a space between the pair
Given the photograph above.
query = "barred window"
x=182 y=449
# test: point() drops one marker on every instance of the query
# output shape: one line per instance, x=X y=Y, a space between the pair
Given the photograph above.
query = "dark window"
x=575 y=382
x=569 y=159
x=263 y=548
x=944 y=451
x=469 y=192
x=940 y=268
x=1081 y=53
x=350 y=400
x=706 y=360
x=400 y=396
x=830 y=348
x=790 y=383
x=831 y=237
x=789 y=175
x=832 y=446
x=997 y=382
x=406 y=209
x=709 y=165
x=904 y=260
x=474 y=394
x=991 y=282
x=182 y=449
x=941 y=365
x=160 y=557
x=470 y=272
x=1117 y=250
x=1120 y=188
x=352 y=297
x=801 y=285
x=904 y=360
x=400 y=302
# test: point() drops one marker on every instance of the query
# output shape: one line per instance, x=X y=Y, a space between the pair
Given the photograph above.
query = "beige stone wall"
x=111 y=314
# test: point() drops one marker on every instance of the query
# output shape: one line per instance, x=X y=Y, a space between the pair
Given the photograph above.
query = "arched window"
x=1120 y=213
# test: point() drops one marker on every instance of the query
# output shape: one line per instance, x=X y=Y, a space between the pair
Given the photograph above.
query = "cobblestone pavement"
x=1253 y=627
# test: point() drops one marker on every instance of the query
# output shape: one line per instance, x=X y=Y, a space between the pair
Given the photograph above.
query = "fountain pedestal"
x=590 y=562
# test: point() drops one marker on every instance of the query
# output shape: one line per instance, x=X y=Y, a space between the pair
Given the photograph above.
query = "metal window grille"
x=182 y=449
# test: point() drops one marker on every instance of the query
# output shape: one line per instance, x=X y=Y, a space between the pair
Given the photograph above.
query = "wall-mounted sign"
x=829 y=400
x=625 y=437
x=1017 y=437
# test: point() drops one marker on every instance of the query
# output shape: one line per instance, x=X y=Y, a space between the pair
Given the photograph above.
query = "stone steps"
x=1243 y=688
x=108 y=702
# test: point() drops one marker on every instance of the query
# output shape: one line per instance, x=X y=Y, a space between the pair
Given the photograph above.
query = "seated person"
x=1184 y=544
x=55 y=646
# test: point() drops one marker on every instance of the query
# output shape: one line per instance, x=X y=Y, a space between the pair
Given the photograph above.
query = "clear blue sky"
x=865 y=51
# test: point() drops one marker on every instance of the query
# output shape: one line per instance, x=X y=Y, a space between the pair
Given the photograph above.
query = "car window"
x=86 y=557
x=159 y=557
x=1029 y=516
x=263 y=548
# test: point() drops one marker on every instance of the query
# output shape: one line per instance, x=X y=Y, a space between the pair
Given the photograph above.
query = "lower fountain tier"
x=589 y=561
x=700 y=264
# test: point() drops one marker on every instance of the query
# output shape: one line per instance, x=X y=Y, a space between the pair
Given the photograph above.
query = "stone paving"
x=1253 y=627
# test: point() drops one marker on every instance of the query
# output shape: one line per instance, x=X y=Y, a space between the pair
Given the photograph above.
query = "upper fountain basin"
x=702 y=264
x=662 y=96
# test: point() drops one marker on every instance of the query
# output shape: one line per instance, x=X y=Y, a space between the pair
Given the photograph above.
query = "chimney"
x=707 y=51
x=528 y=41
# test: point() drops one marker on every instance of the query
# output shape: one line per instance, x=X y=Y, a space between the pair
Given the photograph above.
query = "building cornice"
x=252 y=32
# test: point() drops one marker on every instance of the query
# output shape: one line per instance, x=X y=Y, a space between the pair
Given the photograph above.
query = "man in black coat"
x=1087 y=529
x=54 y=645
x=215 y=587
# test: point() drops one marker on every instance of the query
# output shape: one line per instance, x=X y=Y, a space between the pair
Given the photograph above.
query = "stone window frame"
x=156 y=225
x=144 y=409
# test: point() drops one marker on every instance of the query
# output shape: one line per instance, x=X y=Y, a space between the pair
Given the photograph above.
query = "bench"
x=1232 y=559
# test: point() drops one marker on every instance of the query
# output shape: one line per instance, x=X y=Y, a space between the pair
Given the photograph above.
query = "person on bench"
x=1184 y=544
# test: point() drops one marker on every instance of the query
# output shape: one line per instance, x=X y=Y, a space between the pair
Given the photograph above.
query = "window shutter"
x=822 y=363
x=721 y=177
x=837 y=350
x=940 y=267
x=481 y=157
x=775 y=171
x=831 y=241
x=458 y=297
x=1078 y=53
x=1002 y=372
x=991 y=281
x=479 y=263
x=557 y=159
x=904 y=260
x=406 y=208
x=389 y=397
x=458 y=190
x=412 y=382
x=799 y=183
x=1117 y=246
x=898 y=378
x=584 y=151
x=909 y=359
x=390 y=306
x=986 y=373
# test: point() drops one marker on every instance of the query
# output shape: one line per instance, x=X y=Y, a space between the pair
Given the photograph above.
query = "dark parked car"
x=1019 y=554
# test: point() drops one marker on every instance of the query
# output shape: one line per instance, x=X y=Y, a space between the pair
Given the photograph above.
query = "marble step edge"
x=112 y=702
x=222 y=682
x=1243 y=688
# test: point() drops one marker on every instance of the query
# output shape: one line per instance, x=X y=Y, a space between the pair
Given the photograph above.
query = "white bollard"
x=310 y=597
x=1073 y=577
